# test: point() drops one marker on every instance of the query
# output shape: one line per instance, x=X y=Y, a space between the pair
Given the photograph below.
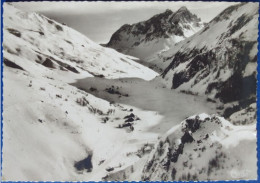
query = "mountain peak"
x=160 y=26
x=183 y=8
x=168 y=11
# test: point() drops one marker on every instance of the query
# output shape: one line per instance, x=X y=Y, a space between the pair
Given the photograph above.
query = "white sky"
x=99 y=20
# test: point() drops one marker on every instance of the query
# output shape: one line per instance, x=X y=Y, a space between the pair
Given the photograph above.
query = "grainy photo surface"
x=129 y=91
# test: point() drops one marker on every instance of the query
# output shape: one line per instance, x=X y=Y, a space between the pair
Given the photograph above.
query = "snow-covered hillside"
x=208 y=146
x=76 y=111
x=53 y=131
x=148 y=38
x=220 y=60
x=204 y=147
x=51 y=47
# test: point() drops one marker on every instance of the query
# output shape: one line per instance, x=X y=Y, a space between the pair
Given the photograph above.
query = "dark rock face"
x=198 y=63
x=11 y=64
x=156 y=27
x=192 y=124
x=187 y=138
x=15 y=32
x=242 y=104
x=52 y=63
x=84 y=164
x=237 y=88
x=179 y=150
x=173 y=173
x=48 y=63
x=67 y=66
x=231 y=55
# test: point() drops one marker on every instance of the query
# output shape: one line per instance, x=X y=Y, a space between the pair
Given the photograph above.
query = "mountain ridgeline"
x=144 y=38
x=220 y=60
x=159 y=26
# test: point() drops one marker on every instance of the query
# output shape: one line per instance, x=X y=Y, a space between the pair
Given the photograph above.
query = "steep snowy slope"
x=204 y=147
x=53 y=131
x=220 y=60
x=30 y=37
x=155 y=35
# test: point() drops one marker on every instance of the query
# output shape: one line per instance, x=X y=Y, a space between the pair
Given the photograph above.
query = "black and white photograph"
x=129 y=91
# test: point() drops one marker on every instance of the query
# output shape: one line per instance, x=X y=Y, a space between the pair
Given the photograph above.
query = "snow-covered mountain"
x=220 y=60
x=51 y=46
x=52 y=130
x=203 y=147
x=155 y=35
x=76 y=111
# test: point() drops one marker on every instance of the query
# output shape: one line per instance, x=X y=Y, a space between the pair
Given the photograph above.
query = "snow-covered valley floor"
x=57 y=126
x=148 y=96
x=62 y=125
x=172 y=108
